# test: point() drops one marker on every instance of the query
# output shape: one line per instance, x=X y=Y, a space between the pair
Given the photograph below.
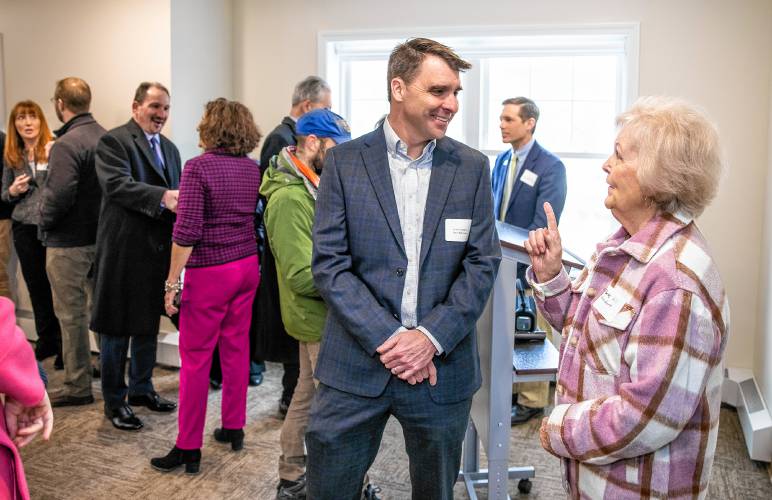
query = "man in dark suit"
x=405 y=255
x=139 y=171
x=309 y=94
x=524 y=177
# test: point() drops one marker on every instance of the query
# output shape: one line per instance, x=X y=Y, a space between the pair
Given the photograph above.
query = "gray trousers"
x=71 y=287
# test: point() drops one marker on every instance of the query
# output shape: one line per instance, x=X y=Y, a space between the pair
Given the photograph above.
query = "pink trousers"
x=216 y=309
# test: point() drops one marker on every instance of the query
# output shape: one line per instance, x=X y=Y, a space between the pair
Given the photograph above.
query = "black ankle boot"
x=177 y=457
x=233 y=436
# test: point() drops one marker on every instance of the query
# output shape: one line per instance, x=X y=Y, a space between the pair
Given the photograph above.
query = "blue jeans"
x=113 y=359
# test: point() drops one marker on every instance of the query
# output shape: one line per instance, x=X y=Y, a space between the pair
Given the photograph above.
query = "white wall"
x=713 y=53
x=201 y=64
x=113 y=45
x=763 y=355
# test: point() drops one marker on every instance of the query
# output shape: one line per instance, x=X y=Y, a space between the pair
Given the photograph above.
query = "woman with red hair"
x=26 y=167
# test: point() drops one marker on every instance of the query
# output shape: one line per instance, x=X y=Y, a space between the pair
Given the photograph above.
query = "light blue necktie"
x=159 y=158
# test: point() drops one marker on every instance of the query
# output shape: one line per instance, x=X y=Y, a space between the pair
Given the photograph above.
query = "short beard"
x=317 y=162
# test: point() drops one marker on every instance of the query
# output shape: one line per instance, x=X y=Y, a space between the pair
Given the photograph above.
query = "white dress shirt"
x=410 y=180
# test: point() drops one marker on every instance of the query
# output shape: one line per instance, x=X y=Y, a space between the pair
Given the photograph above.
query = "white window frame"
x=332 y=50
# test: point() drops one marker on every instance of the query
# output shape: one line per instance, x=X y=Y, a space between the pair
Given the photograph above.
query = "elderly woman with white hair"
x=644 y=326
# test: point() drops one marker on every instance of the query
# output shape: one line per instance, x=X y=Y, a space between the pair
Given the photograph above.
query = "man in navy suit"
x=524 y=177
x=405 y=255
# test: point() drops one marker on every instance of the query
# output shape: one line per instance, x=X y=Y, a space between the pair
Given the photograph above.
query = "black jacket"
x=135 y=234
x=282 y=136
x=70 y=196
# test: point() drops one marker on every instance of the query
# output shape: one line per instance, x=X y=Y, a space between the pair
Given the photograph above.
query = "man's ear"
x=530 y=124
x=398 y=89
x=305 y=106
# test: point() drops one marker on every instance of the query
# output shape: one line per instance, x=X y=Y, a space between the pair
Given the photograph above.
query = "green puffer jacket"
x=289 y=217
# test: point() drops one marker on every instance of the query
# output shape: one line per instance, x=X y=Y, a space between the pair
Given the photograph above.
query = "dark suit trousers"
x=345 y=430
x=114 y=350
x=32 y=258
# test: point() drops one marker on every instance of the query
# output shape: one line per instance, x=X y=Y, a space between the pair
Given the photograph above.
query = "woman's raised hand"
x=544 y=247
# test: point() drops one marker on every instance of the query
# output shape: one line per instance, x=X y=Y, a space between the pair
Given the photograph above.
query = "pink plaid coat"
x=638 y=393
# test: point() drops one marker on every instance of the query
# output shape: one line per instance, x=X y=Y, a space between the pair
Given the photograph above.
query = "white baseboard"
x=168 y=338
x=741 y=391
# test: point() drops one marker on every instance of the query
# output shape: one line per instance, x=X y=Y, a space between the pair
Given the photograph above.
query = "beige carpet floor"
x=88 y=459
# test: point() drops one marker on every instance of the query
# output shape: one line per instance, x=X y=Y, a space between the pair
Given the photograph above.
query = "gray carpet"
x=87 y=458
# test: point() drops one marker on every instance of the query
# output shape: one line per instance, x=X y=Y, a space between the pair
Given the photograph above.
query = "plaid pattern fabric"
x=644 y=329
x=216 y=209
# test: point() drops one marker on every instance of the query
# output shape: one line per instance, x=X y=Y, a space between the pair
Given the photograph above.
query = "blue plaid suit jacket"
x=359 y=262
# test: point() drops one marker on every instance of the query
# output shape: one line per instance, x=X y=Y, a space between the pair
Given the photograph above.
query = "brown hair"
x=141 y=93
x=14 y=144
x=228 y=125
x=74 y=93
x=407 y=57
x=528 y=109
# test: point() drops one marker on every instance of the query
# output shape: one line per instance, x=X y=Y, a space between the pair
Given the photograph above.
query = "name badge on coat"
x=529 y=177
x=457 y=230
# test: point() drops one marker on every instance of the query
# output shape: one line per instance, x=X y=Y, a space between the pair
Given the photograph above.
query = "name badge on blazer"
x=457 y=230
x=529 y=177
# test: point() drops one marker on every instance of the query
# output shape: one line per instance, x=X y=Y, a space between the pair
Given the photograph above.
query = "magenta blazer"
x=19 y=378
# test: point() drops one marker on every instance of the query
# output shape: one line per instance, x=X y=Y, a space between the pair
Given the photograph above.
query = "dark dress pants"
x=345 y=430
x=114 y=350
x=32 y=259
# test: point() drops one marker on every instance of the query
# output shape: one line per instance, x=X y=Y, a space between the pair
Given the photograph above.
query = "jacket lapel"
x=377 y=166
x=530 y=160
x=143 y=145
x=171 y=170
x=444 y=164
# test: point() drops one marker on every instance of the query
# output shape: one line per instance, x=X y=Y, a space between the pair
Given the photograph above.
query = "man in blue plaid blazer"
x=405 y=255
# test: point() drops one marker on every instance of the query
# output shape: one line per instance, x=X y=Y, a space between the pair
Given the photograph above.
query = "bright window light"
x=581 y=77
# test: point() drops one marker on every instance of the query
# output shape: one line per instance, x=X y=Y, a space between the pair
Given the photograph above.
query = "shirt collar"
x=644 y=244
x=150 y=137
x=523 y=151
x=395 y=145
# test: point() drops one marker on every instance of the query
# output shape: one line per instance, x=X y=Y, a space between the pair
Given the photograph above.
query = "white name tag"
x=457 y=229
x=529 y=177
x=609 y=304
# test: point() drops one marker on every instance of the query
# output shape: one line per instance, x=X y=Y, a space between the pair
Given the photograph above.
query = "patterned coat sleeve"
x=672 y=347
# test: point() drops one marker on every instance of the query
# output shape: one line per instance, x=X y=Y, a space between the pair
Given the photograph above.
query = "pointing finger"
x=552 y=221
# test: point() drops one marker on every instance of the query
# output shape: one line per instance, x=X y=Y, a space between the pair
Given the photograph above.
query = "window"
x=580 y=77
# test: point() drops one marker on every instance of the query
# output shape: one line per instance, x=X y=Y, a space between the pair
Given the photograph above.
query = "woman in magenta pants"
x=214 y=240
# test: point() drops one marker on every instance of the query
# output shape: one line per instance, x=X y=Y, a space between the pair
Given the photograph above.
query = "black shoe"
x=153 y=401
x=255 y=379
x=58 y=362
x=67 y=400
x=233 y=436
x=123 y=418
x=522 y=414
x=370 y=492
x=292 y=490
x=215 y=384
x=283 y=408
x=190 y=458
